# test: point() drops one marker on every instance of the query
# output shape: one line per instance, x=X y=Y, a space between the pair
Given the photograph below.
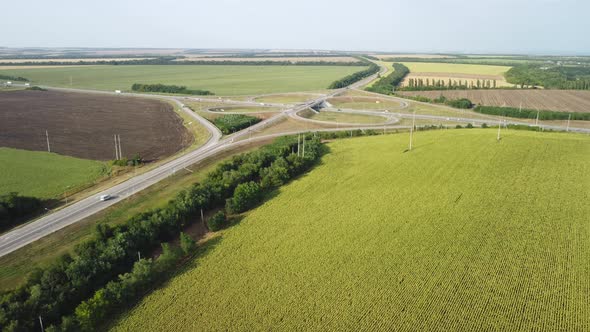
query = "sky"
x=464 y=26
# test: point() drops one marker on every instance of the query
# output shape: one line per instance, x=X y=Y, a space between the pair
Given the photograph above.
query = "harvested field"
x=83 y=125
x=455 y=69
x=553 y=100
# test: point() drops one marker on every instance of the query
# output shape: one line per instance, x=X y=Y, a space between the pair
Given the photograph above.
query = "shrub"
x=217 y=222
x=231 y=123
x=187 y=243
x=246 y=196
x=463 y=103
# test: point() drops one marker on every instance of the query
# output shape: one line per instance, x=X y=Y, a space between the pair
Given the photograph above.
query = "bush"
x=246 y=196
x=484 y=125
x=469 y=125
x=36 y=88
x=458 y=126
x=14 y=208
x=217 y=222
x=187 y=243
x=463 y=103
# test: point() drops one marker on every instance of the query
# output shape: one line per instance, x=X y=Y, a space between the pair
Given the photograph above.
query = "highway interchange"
x=88 y=206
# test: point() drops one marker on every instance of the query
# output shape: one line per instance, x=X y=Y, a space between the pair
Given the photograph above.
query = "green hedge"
x=355 y=77
x=231 y=123
x=168 y=89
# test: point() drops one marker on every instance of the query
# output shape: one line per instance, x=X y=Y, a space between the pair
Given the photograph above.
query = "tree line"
x=15 y=208
x=174 y=61
x=138 y=87
x=80 y=290
x=421 y=84
x=13 y=78
x=355 y=77
x=230 y=123
x=531 y=114
x=462 y=103
x=386 y=85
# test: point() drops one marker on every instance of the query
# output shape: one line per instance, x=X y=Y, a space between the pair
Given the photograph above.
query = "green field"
x=221 y=80
x=45 y=175
x=433 y=67
x=461 y=234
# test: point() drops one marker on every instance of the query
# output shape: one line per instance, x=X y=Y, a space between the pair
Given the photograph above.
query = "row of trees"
x=355 y=77
x=138 y=87
x=531 y=114
x=386 y=85
x=462 y=103
x=15 y=208
x=174 y=61
x=79 y=289
x=550 y=76
x=421 y=84
x=13 y=78
x=230 y=123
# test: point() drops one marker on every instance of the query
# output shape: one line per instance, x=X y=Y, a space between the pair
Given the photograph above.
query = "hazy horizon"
x=545 y=27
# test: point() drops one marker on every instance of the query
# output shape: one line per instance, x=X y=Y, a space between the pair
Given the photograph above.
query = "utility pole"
x=412 y=130
x=116 y=148
x=41 y=323
x=304 y=145
x=138 y=256
x=47 y=136
x=537 y=120
x=298 y=143
x=568 y=122
x=499 y=126
x=120 y=151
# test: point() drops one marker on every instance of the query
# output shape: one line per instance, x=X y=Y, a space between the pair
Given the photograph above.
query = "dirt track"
x=83 y=125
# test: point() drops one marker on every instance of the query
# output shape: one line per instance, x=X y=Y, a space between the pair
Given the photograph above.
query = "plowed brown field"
x=83 y=125
x=554 y=100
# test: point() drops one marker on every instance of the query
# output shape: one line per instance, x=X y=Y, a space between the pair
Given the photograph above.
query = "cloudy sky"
x=471 y=26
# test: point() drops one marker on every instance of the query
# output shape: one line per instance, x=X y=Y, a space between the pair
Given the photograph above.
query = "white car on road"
x=105 y=197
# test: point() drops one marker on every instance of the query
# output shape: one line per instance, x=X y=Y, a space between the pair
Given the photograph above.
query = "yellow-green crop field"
x=463 y=233
x=452 y=68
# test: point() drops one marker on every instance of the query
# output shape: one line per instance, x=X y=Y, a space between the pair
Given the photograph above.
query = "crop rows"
x=463 y=233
